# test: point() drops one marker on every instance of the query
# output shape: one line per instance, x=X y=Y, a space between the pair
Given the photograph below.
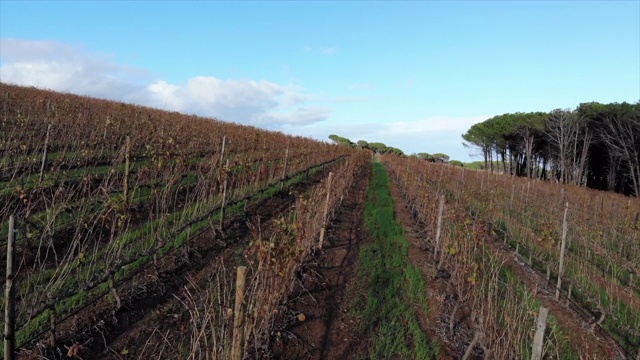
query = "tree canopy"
x=341 y=140
x=377 y=147
x=595 y=145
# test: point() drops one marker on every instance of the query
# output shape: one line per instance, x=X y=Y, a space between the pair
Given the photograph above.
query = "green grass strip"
x=393 y=286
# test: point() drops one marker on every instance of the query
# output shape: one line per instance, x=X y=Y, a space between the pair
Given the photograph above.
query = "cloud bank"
x=61 y=67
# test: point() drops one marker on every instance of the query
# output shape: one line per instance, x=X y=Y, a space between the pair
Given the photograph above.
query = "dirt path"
x=586 y=343
x=324 y=291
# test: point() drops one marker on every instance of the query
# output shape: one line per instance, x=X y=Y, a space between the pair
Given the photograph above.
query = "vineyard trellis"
x=487 y=203
x=103 y=189
x=115 y=277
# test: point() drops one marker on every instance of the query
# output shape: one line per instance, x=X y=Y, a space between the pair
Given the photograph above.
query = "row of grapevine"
x=199 y=321
x=102 y=189
x=275 y=260
x=481 y=208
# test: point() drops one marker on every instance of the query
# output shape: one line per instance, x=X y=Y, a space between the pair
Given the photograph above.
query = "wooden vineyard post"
x=125 y=190
x=238 y=318
x=9 y=310
x=224 y=200
x=224 y=142
x=548 y=274
x=326 y=211
x=44 y=154
x=491 y=200
x=538 y=339
x=439 y=228
x=114 y=292
x=52 y=326
x=284 y=169
x=562 y=247
x=513 y=190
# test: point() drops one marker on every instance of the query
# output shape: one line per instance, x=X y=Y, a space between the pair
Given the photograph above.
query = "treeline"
x=437 y=158
x=376 y=147
x=380 y=148
x=595 y=145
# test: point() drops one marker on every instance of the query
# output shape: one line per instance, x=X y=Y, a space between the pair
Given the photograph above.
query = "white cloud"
x=58 y=66
x=299 y=116
x=351 y=99
x=61 y=67
x=437 y=134
x=432 y=124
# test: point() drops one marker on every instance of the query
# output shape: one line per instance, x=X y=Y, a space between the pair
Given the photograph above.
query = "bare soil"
x=326 y=288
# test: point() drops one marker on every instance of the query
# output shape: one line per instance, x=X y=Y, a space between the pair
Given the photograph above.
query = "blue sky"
x=414 y=75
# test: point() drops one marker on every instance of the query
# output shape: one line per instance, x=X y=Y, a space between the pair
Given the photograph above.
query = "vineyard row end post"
x=9 y=310
x=562 y=248
x=326 y=211
x=238 y=318
x=538 y=339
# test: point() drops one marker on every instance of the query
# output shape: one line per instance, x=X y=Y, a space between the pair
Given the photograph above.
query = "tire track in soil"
x=100 y=329
x=587 y=344
x=325 y=290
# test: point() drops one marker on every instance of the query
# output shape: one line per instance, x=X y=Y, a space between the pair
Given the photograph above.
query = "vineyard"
x=111 y=200
x=138 y=233
x=498 y=250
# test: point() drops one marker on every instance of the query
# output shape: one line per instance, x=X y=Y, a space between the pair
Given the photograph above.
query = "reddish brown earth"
x=325 y=291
